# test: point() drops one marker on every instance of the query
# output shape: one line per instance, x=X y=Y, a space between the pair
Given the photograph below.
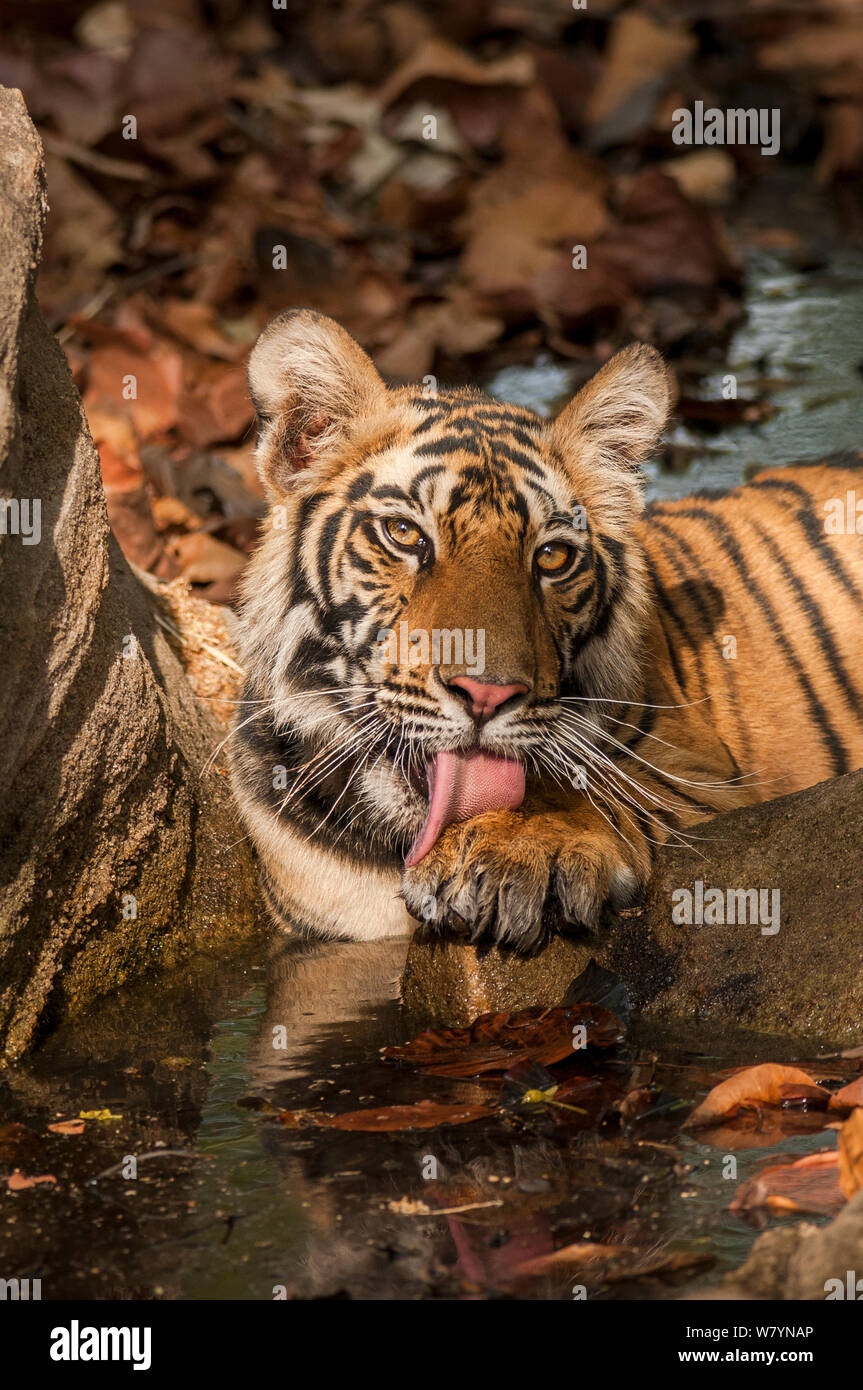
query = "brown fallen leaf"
x=723 y=412
x=216 y=409
x=810 y=1184
x=19 y=1182
x=426 y=1114
x=68 y=1127
x=146 y=386
x=768 y=1084
x=849 y=1097
x=127 y=496
x=851 y=1154
x=704 y=176
x=524 y=228
x=204 y=560
x=641 y=55
x=635 y=1102
x=663 y=239
x=198 y=326
x=496 y=1042
x=823 y=47
x=477 y=95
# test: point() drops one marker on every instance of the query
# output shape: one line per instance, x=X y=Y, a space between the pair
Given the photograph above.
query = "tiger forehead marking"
x=483 y=484
x=470 y=457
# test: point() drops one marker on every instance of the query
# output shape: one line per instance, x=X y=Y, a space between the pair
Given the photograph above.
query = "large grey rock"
x=807 y=978
x=102 y=754
x=804 y=979
x=803 y=1262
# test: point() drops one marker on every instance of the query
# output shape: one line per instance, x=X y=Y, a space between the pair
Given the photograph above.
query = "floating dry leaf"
x=849 y=1097
x=68 y=1127
x=768 y=1084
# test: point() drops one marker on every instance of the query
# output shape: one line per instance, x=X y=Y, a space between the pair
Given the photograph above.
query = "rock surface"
x=805 y=979
x=120 y=851
x=796 y=1262
x=453 y=983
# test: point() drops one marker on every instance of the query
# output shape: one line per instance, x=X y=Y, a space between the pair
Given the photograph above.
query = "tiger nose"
x=485 y=697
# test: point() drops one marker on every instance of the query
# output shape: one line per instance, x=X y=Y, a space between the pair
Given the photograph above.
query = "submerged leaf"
x=68 y=1127
x=810 y=1184
x=426 y=1114
x=496 y=1042
x=19 y=1182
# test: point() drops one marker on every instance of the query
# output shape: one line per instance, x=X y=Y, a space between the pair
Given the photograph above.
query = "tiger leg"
x=514 y=877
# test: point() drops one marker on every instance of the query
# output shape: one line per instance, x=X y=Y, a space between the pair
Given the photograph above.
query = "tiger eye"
x=403 y=532
x=553 y=557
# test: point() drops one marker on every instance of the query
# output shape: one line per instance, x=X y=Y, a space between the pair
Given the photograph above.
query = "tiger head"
x=441 y=578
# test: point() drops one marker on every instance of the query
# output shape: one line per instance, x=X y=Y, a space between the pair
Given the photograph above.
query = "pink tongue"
x=462 y=785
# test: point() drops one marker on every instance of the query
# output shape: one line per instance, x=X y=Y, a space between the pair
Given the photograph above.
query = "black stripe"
x=394 y=494
x=519 y=459
x=815 y=535
x=431 y=470
x=329 y=532
x=810 y=607
x=836 y=748
x=448 y=444
x=360 y=486
x=696 y=598
x=668 y=609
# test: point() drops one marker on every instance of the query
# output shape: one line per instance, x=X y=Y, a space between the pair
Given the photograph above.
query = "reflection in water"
x=231 y=1204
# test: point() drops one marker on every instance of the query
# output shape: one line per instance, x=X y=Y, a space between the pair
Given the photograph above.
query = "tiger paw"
x=513 y=879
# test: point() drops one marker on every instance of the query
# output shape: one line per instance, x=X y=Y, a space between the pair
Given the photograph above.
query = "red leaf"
x=496 y=1042
x=426 y=1114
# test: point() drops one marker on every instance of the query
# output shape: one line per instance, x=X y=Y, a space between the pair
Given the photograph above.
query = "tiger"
x=485 y=680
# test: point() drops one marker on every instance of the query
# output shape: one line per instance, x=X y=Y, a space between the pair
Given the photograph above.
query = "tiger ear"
x=621 y=412
x=308 y=379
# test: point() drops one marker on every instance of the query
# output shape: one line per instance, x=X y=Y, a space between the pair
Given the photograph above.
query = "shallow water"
x=228 y=1203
